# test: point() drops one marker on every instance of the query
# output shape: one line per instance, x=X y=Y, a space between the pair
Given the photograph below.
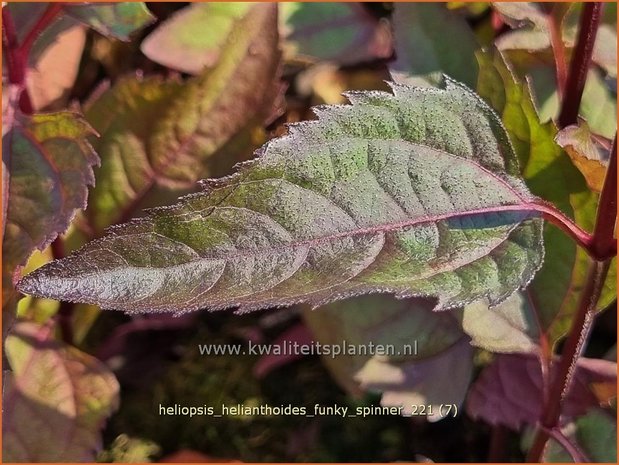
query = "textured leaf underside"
x=415 y=193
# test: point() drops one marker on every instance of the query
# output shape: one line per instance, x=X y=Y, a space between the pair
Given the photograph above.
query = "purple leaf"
x=509 y=391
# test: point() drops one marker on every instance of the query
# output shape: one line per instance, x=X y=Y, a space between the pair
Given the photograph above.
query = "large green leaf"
x=56 y=399
x=411 y=354
x=415 y=193
x=430 y=40
x=158 y=135
x=550 y=174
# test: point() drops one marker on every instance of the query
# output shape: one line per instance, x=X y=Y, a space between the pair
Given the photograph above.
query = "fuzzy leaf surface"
x=158 y=136
x=412 y=193
x=56 y=399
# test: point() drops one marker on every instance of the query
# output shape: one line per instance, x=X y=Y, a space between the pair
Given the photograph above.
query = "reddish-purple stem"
x=48 y=16
x=602 y=245
x=558 y=48
x=17 y=55
x=579 y=66
x=572 y=349
x=604 y=231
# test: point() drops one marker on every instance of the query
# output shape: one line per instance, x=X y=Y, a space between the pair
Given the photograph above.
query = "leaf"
x=192 y=38
x=549 y=174
x=423 y=48
x=597 y=433
x=509 y=391
x=598 y=105
x=413 y=194
x=158 y=136
x=578 y=143
x=52 y=76
x=298 y=334
x=56 y=399
x=434 y=383
x=118 y=20
x=532 y=33
x=410 y=327
x=508 y=327
x=50 y=165
x=345 y=33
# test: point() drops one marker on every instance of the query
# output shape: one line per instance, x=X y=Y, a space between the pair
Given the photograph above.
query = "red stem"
x=17 y=55
x=604 y=231
x=579 y=66
x=601 y=244
x=558 y=48
x=572 y=349
x=48 y=16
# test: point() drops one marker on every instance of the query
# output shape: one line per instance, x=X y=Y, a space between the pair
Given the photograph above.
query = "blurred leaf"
x=509 y=391
x=297 y=334
x=550 y=174
x=125 y=449
x=56 y=399
x=577 y=141
x=163 y=135
x=414 y=193
x=593 y=434
x=52 y=76
x=596 y=432
x=531 y=32
x=192 y=38
x=327 y=82
x=50 y=166
x=508 y=327
x=430 y=349
x=430 y=40
x=342 y=32
x=118 y=20
x=531 y=23
x=598 y=106
x=434 y=383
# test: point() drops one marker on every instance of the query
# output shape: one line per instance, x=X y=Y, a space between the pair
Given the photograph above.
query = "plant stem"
x=558 y=47
x=603 y=232
x=48 y=16
x=579 y=66
x=581 y=326
x=575 y=452
x=17 y=55
x=498 y=438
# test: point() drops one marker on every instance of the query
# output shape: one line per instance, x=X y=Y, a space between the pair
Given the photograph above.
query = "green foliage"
x=163 y=135
x=294 y=225
x=50 y=164
x=424 y=51
x=431 y=194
